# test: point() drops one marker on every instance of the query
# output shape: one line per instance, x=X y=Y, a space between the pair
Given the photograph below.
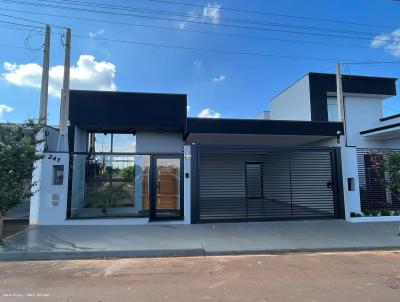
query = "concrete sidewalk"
x=75 y=242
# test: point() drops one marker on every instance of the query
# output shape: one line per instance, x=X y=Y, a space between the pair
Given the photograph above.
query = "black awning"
x=266 y=127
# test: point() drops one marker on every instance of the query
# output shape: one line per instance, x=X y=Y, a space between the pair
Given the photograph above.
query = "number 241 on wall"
x=55 y=158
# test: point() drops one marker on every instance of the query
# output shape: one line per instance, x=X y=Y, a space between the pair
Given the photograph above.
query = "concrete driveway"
x=60 y=242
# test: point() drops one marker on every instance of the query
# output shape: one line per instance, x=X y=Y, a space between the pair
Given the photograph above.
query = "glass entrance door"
x=167 y=188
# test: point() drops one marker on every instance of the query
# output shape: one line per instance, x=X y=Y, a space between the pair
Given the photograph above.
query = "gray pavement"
x=75 y=242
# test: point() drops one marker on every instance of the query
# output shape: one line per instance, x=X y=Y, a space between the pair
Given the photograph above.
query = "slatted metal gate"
x=373 y=193
x=264 y=184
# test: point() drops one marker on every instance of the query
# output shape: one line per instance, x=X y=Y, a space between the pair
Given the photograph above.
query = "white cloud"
x=209 y=113
x=198 y=64
x=219 y=79
x=188 y=108
x=96 y=34
x=5 y=109
x=211 y=13
x=182 y=25
x=390 y=42
x=86 y=74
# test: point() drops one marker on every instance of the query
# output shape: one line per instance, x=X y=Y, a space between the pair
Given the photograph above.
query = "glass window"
x=124 y=143
x=333 y=115
x=58 y=175
x=101 y=142
x=110 y=186
x=112 y=143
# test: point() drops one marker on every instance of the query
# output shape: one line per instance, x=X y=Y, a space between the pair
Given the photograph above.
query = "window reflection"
x=111 y=142
x=332 y=105
x=110 y=186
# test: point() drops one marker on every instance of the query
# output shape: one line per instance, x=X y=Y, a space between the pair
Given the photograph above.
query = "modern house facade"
x=137 y=158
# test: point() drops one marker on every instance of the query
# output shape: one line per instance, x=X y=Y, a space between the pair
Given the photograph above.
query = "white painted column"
x=187 y=183
x=49 y=204
x=35 y=199
x=352 y=201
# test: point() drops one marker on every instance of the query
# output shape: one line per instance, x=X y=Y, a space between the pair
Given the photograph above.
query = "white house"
x=136 y=158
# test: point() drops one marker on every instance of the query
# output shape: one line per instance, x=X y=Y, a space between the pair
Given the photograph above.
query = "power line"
x=27 y=20
x=211 y=50
x=200 y=49
x=189 y=21
x=190 y=30
x=274 y=14
x=201 y=17
x=15 y=28
x=371 y=62
x=15 y=46
x=19 y=18
x=19 y=24
x=218 y=50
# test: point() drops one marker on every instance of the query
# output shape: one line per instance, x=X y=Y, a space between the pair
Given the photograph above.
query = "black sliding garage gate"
x=234 y=184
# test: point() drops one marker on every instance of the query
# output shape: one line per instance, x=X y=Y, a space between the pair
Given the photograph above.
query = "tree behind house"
x=18 y=143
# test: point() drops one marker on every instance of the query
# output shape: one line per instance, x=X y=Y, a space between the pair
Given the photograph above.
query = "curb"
x=77 y=255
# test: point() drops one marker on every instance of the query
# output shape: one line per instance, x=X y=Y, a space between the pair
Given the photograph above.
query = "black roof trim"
x=323 y=83
x=127 y=92
x=263 y=127
x=380 y=128
x=114 y=111
x=361 y=77
x=386 y=118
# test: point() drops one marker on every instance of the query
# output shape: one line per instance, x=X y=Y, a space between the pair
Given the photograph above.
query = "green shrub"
x=385 y=212
x=375 y=213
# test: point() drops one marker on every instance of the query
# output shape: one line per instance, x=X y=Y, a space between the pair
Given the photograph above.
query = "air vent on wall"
x=55 y=200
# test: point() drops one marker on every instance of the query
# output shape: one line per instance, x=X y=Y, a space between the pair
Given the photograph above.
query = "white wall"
x=52 y=138
x=293 y=103
x=265 y=115
x=80 y=140
x=395 y=120
x=42 y=210
x=391 y=143
x=187 y=183
x=159 y=142
x=350 y=170
x=362 y=113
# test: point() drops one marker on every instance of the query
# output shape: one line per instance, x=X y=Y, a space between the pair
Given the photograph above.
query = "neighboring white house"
x=137 y=158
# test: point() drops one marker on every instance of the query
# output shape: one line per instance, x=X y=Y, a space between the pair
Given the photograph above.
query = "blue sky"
x=218 y=84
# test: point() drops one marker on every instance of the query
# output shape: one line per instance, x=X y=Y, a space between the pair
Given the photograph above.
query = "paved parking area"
x=345 y=276
x=13 y=226
x=57 y=242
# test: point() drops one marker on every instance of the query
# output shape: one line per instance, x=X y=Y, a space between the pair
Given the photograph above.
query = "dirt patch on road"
x=363 y=276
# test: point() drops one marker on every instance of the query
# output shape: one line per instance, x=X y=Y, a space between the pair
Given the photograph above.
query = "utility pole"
x=340 y=100
x=63 y=136
x=44 y=91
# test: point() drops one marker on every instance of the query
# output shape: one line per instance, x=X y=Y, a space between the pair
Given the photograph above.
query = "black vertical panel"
x=254 y=180
x=263 y=184
x=222 y=193
x=312 y=184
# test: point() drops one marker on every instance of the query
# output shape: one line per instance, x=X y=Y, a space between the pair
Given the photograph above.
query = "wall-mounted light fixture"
x=338 y=134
